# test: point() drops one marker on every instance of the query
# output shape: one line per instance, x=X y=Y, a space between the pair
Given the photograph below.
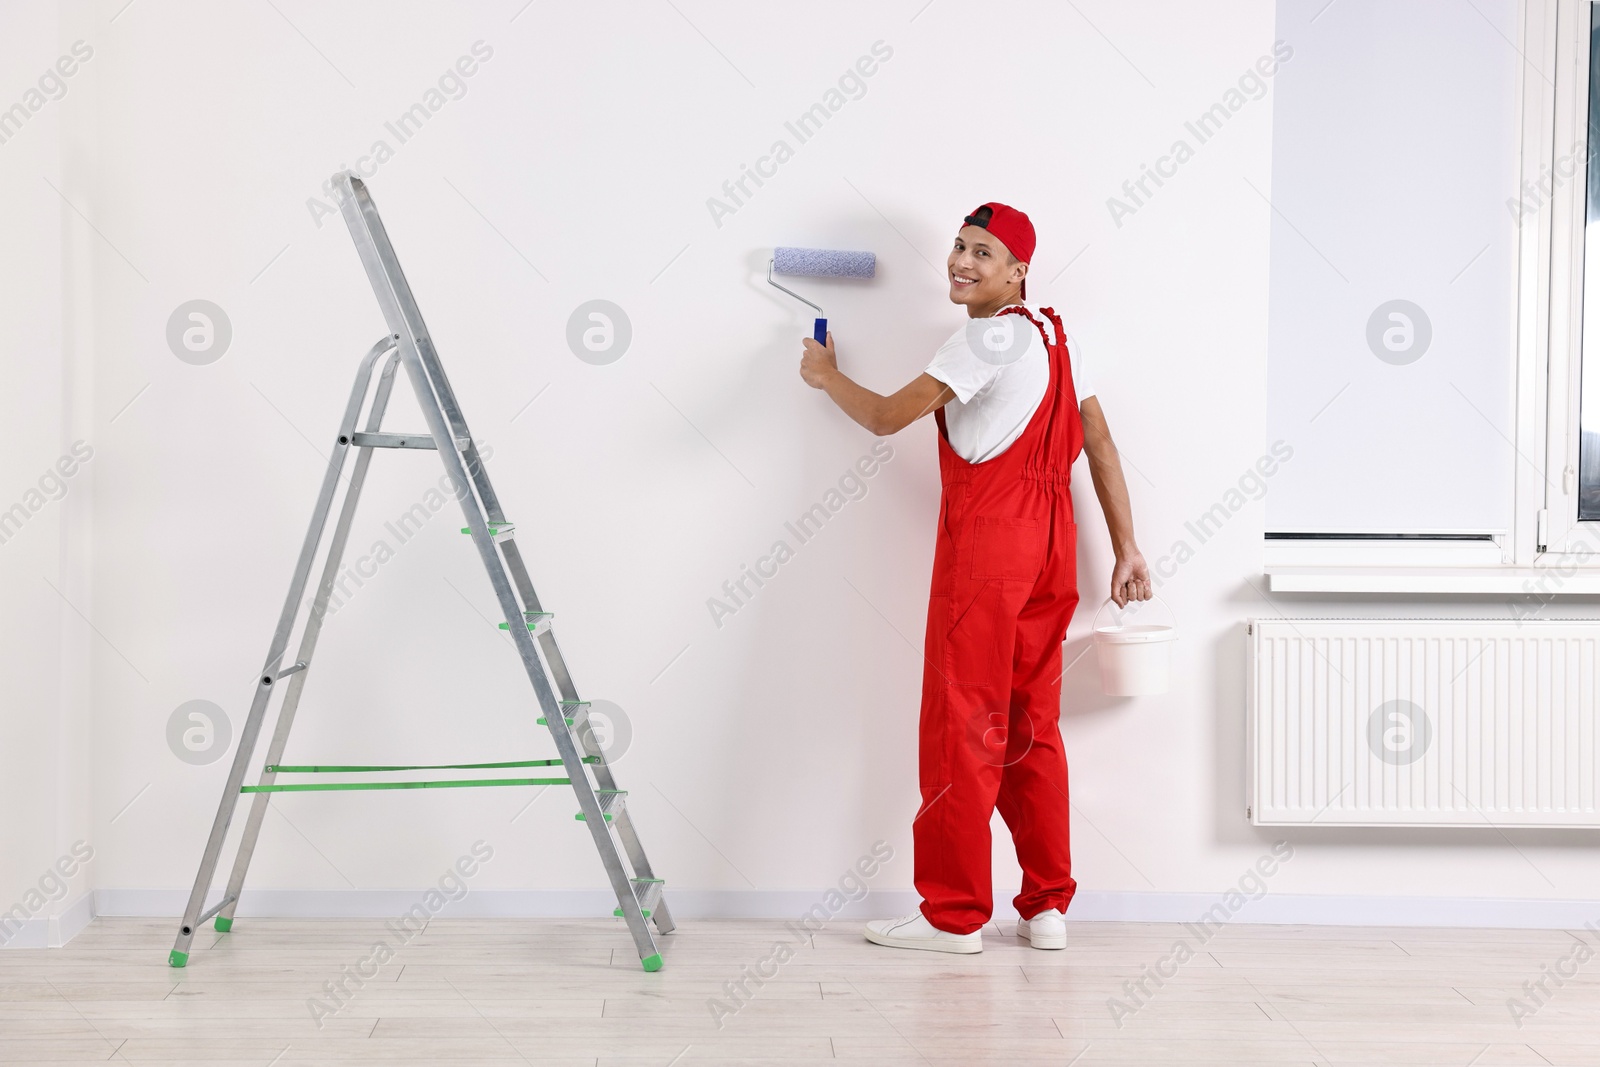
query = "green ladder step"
x=648 y=892
x=500 y=531
x=569 y=707
x=538 y=622
x=610 y=800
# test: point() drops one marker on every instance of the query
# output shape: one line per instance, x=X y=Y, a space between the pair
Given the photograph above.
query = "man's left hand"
x=1130 y=579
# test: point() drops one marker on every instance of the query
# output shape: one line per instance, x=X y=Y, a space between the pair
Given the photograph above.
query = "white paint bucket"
x=1135 y=659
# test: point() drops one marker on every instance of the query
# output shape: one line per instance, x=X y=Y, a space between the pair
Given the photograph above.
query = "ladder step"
x=610 y=801
x=293 y=668
x=648 y=892
x=500 y=531
x=362 y=439
x=543 y=722
x=570 y=708
x=213 y=911
x=538 y=622
x=590 y=744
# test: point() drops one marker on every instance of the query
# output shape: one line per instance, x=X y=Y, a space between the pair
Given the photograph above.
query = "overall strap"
x=1066 y=387
x=1044 y=463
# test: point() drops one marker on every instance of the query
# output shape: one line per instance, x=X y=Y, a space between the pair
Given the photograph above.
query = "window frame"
x=1567 y=540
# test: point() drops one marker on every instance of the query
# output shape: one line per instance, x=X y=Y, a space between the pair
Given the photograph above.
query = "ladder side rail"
x=623 y=825
x=622 y=822
x=488 y=551
x=378 y=256
x=324 y=505
x=557 y=665
x=280 y=640
x=308 y=644
x=405 y=320
x=443 y=395
x=458 y=424
x=519 y=574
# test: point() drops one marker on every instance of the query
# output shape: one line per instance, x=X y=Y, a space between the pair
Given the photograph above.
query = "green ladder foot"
x=178 y=959
x=652 y=963
x=224 y=924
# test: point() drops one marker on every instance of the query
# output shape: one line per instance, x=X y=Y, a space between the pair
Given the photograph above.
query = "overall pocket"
x=1007 y=549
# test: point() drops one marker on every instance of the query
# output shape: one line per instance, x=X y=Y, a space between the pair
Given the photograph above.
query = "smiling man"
x=1014 y=409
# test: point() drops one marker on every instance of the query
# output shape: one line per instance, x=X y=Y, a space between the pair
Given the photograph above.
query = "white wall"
x=47 y=649
x=770 y=752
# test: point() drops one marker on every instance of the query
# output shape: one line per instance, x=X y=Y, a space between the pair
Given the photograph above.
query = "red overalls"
x=1005 y=583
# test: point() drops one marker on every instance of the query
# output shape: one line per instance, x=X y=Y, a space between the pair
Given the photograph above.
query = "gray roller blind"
x=1390 y=337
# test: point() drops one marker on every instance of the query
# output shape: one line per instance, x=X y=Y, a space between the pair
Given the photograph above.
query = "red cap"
x=1010 y=227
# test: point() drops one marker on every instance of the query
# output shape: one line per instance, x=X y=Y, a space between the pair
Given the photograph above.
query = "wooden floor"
x=546 y=992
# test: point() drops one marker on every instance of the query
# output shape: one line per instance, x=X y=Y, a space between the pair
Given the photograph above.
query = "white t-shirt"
x=999 y=370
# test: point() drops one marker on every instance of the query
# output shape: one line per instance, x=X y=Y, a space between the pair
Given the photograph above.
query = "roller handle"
x=819 y=332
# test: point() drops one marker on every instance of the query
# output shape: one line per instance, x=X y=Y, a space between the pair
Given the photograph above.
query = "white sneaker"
x=915 y=931
x=1048 y=929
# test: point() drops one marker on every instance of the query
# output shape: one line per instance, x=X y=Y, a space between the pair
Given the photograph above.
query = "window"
x=1391 y=346
x=1430 y=201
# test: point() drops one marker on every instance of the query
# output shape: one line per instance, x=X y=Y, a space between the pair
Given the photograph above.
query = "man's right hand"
x=818 y=362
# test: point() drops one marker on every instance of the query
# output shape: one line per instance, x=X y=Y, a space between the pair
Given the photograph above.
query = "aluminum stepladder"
x=638 y=891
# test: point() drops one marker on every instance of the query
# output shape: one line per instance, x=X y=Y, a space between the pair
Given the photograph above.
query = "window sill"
x=1466 y=581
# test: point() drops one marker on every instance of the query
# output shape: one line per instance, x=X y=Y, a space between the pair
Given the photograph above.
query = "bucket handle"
x=1116 y=621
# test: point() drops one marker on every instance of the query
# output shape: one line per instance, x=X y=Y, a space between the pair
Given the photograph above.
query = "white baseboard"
x=50 y=931
x=1088 y=906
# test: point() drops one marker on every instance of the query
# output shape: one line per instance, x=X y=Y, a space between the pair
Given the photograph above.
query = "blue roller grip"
x=820 y=331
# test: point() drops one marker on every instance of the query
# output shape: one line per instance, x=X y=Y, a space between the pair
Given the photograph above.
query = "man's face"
x=980 y=268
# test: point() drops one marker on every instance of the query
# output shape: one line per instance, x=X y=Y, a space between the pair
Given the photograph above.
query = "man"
x=1014 y=410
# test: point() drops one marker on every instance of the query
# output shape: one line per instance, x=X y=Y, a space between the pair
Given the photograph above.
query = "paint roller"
x=819 y=263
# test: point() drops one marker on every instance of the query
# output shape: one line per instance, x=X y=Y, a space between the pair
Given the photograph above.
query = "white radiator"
x=1423 y=722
